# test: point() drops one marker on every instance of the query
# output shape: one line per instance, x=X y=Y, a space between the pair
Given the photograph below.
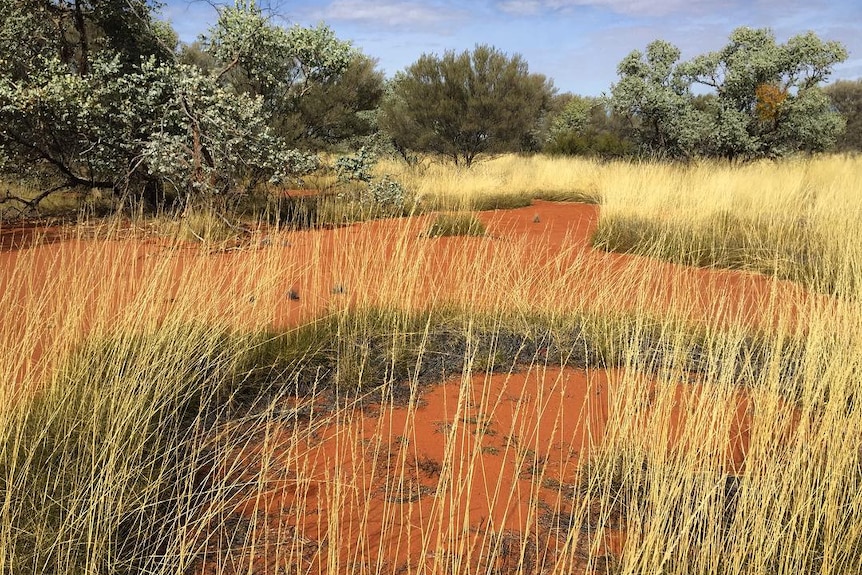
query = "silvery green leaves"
x=652 y=92
x=763 y=98
x=86 y=128
x=263 y=59
x=317 y=53
x=574 y=117
x=356 y=167
x=385 y=192
x=122 y=113
x=213 y=142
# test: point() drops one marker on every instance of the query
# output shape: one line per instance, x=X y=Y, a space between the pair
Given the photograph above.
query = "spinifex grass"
x=455 y=224
x=793 y=219
x=170 y=408
x=503 y=182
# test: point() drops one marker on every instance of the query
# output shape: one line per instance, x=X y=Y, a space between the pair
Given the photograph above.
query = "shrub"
x=386 y=192
x=599 y=145
x=355 y=167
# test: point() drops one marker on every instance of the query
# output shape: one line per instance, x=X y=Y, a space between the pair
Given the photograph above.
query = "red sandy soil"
x=477 y=473
x=366 y=260
x=330 y=269
x=517 y=439
x=29 y=234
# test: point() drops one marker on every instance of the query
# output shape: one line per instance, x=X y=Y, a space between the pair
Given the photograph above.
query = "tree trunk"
x=81 y=27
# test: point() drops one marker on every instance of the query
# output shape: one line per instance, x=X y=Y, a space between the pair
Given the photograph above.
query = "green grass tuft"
x=456 y=224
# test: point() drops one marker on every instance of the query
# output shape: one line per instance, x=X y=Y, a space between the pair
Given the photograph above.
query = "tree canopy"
x=463 y=105
x=846 y=99
x=586 y=126
x=766 y=97
x=99 y=97
x=102 y=95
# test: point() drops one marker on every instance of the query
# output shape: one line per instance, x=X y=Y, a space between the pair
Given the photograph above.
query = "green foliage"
x=501 y=201
x=766 y=98
x=356 y=167
x=846 y=99
x=463 y=105
x=339 y=111
x=605 y=145
x=266 y=60
x=71 y=101
x=653 y=94
x=384 y=193
x=211 y=143
x=194 y=55
x=585 y=126
x=575 y=116
x=316 y=89
x=100 y=99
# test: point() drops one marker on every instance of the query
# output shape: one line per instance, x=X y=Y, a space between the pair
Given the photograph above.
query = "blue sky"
x=578 y=43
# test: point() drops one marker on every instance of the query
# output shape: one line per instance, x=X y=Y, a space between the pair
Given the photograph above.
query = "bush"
x=355 y=167
x=598 y=145
x=386 y=192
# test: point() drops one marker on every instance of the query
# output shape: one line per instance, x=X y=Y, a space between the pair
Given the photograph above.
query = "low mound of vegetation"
x=456 y=224
x=794 y=220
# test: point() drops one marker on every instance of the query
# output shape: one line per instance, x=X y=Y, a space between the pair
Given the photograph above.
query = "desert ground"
x=640 y=368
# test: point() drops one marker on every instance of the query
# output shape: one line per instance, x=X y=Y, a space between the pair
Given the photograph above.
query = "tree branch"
x=33 y=204
x=71 y=176
x=233 y=64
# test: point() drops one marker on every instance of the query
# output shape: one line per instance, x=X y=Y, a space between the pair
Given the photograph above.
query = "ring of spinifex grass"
x=369 y=399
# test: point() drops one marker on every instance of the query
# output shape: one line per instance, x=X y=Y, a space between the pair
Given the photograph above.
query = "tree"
x=766 y=97
x=341 y=109
x=768 y=100
x=63 y=123
x=100 y=99
x=317 y=90
x=846 y=99
x=463 y=105
x=657 y=100
x=281 y=66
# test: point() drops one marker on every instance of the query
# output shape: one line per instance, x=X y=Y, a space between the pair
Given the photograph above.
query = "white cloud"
x=521 y=7
x=627 y=7
x=388 y=13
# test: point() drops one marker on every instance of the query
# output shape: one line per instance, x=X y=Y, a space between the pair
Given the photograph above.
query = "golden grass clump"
x=796 y=219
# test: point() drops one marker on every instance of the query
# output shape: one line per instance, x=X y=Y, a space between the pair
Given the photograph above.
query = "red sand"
x=473 y=465
x=533 y=425
x=367 y=258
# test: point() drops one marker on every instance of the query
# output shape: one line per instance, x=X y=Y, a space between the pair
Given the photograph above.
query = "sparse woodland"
x=266 y=311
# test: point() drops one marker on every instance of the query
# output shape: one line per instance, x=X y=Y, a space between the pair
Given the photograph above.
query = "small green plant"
x=356 y=167
x=386 y=192
x=499 y=201
x=456 y=224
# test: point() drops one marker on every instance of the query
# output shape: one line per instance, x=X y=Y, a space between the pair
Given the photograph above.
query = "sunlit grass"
x=153 y=388
x=498 y=183
x=794 y=219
